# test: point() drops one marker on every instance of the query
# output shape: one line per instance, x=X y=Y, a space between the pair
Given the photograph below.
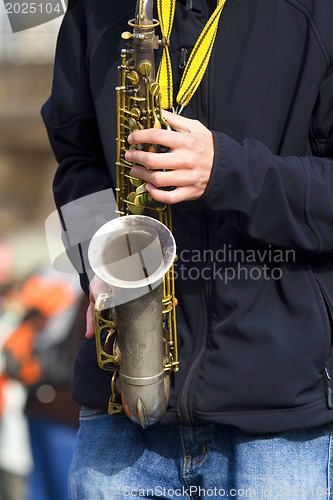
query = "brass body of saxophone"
x=134 y=253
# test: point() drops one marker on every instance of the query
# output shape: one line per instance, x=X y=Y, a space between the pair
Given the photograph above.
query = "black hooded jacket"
x=255 y=252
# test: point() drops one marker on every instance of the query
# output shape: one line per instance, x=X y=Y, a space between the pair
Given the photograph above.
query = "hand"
x=96 y=287
x=188 y=164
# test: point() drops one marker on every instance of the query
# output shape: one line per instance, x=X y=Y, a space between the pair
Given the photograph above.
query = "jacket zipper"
x=200 y=349
x=327 y=376
x=182 y=58
x=328 y=388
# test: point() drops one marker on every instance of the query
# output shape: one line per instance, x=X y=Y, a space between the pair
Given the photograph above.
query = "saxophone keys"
x=142 y=197
x=126 y=35
x=154 y=89
x=141 y=189
x=135 y=113
x=145 y=68
x=135 y=181
x=133 y=208
x=142 y=200
x=134 y=124
x=133 y=77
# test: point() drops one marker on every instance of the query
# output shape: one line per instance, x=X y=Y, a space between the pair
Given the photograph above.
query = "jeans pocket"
x=87 y=412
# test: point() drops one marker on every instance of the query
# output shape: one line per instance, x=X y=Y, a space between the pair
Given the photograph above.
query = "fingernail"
x=128 y=155
x=129 y=139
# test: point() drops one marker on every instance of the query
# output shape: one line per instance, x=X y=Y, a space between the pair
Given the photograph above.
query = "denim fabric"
x=115 y=459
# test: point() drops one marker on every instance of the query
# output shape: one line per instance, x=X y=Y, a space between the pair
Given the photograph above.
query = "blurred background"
x=26 y=161
x=41 y=311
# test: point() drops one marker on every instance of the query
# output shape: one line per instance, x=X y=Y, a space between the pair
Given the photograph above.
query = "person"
x=250 y=158
x=15 y=453
x=36 y=357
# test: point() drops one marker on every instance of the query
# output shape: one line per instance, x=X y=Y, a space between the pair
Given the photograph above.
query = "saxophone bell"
x=132 y=255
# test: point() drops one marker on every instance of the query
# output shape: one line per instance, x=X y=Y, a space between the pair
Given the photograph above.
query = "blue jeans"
x=116 y=460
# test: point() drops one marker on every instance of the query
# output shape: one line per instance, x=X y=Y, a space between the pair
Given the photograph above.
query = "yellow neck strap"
x=198 y=60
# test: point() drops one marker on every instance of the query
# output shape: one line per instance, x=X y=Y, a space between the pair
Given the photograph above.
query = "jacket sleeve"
x=71 y=123
x=283 y=201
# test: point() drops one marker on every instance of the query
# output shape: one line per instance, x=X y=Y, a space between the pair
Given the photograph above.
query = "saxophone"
x=135 y=324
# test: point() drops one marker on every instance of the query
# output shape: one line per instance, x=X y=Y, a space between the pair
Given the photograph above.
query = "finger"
x=161 y=161
x=180 y=123
x=164 y=179
x=90 y=331
x=171 y=197
x=168 y=138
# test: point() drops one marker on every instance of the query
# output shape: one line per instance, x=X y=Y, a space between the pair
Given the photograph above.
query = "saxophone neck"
x=144 y=13
x=145 y=42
